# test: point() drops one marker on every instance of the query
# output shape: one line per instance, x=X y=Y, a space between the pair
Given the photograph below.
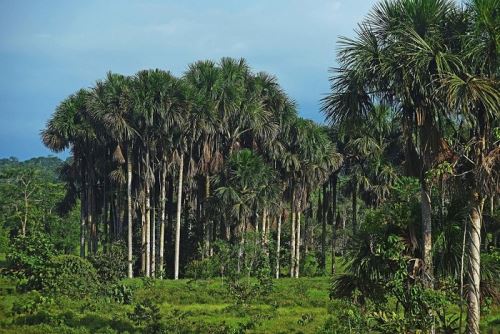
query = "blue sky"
x=49 y=49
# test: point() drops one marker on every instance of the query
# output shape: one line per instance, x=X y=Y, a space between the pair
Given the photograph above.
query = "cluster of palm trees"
x=220 y=149
x=435 y=63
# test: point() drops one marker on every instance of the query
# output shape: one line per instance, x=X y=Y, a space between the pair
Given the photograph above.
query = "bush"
x=345 y=318
x=112 y=265
x=120 y=293
x=28 y=257
x=30 y=303
x=203 y=269
x=70 y=275
x=310 y=267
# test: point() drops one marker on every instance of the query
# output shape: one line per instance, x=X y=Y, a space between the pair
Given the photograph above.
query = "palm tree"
x=158 y=102
x=250 y=182
x=397 y=54
x=180 y=134
x=203 y=78
x=473 y=92
x=172 y=119
x=110 y=104
x=178 y=217
x=309 y=161
x=71 y=127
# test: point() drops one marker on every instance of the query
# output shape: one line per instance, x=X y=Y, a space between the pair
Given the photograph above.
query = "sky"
x=50 y=49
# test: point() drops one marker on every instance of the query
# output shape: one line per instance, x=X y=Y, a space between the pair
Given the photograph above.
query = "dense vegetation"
x=389 y=214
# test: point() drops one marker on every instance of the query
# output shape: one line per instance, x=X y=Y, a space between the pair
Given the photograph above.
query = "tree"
x=71 y=127
x=473 y=93
x=397 y=54
x=110 y=103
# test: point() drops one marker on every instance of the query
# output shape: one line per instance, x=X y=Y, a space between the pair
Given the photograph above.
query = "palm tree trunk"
x=242 y=241
x=427 y=232
x=268 y=229
x=278 y=247
x=129 y=210
x=153 y=241
x=473 y=296
x=82 y=224
x=462 y=260
x=178 y=222
x=104 y=213
x=89 y=218
x=255 y=220
x=297 y=248
x=334 y=181
x=143 y=236
x=292 y=241
x=323 y=227
x=162 y=215
x=264 y=228
x=307 y=223
x=206 y=216
x=354 y=207
x=148 y=216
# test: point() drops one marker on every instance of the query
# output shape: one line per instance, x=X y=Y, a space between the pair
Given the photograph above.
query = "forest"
x=203 y=203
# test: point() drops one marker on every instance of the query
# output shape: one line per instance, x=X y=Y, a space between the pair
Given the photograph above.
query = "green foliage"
x=111 y=265
x=310 y=266
x=202 y=307
x=344 y=318
x=30 y=194
x=30 y=303
x=242 y=291
x=71 y=276
x=249 y=259
x=145 y=313
x=490 y=276
x=33 y=261
x=29 y=256
x=119 y=293
x=203 y=268
x=382 y=270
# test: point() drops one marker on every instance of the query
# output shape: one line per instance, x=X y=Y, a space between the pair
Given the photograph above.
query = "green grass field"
x=294 y=306
x=189 y=306
x=197 y=303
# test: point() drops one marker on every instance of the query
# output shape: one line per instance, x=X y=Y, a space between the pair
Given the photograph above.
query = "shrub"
x=30 y=303
x=120 y=293
x=144 y=313
x=112 y=265
x=345 y=317
x=203 y=269
x=28 y=257
x=310 y=267
x=70 y=275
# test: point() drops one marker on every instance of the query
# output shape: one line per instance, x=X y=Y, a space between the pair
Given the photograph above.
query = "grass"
x=196 y=303
x=278 y=312
x=201 y=306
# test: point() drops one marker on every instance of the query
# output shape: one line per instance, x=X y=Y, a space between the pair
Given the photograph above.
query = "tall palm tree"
x=110 y=103
x=309 y=161
x=478 y=98
x=397 y=54
x=204 y=80
x=157 y=102
x=473 y=93
x=179 y=144
x=71 y=127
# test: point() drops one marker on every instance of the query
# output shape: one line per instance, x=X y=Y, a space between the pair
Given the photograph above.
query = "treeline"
x=173 y=164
